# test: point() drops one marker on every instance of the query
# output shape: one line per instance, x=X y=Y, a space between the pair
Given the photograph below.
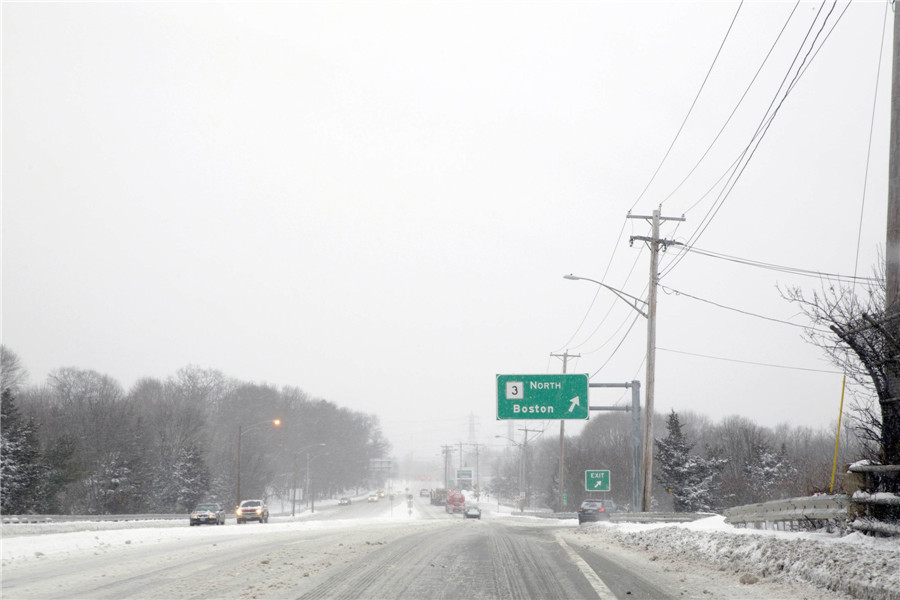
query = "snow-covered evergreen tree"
x=62 y=470
x=116 y=485
x=190 y=477
x=692 y=480
x=766 y=471
x=21 y=469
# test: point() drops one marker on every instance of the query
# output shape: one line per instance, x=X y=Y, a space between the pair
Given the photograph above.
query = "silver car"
x=211 y=513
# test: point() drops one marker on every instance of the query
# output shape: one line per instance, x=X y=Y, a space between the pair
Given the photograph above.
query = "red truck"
x=456 y=502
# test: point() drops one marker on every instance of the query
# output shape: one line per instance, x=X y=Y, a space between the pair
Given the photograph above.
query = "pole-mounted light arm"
x=510 y=440
x=632 y=301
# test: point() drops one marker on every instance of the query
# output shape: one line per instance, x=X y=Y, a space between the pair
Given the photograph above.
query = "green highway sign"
x=542 y=396
x=596 y=481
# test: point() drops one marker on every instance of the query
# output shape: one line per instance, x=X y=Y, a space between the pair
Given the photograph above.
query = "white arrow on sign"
x=576 y=401
x=599 y=484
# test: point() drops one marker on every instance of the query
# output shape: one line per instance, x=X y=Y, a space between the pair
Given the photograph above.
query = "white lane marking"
x=603 y=592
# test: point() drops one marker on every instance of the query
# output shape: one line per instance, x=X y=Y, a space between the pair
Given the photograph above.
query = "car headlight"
x=258 y=511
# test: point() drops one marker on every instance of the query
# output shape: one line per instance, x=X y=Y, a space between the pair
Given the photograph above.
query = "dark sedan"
x=595 y=510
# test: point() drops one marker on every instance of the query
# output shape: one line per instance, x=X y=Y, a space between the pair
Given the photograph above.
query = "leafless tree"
x=851 y=325
x=12 y=374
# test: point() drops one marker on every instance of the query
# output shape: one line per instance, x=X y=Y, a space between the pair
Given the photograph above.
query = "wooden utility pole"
x=890 y=405
x=654 y=242
x=892 y=248
x=562 y=440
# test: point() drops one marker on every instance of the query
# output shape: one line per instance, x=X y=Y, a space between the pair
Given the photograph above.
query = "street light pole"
x=241 y=432
x=312 y=499
x=238 y=502
x=294 y=488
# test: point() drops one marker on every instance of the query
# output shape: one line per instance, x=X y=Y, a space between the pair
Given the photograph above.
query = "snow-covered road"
x=368 y=552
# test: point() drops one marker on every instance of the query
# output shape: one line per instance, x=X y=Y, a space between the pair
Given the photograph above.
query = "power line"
x=624 y=337
x=691 y=109
x=862 y=208
x=568 y=344
x=652 y=178
x=743 y=312
x=733 y=112
x=747 y=362
x=778 y=268
x=609 y=311
x=609 y=339
x=762 y=129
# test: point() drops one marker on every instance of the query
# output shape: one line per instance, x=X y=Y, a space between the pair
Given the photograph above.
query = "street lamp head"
x=276 y=422
x=572 y=277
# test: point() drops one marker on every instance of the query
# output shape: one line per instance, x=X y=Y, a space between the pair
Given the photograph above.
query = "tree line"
x=81 y=444
x=704 y=466
x=699 y=465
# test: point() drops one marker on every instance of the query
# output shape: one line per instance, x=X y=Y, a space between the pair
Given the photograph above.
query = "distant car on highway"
x=472 y=512
x=595 y=510
x=212 y=513
x=344 y=501
x=373 y=497
x=252 y=510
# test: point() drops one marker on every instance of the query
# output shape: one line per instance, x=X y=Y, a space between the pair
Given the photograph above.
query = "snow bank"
x=858 y=565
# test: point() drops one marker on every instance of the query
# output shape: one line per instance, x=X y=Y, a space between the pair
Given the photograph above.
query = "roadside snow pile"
x=860 y=566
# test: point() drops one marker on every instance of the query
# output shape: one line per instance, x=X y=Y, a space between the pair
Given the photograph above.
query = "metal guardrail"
x=624 y=517
x=37 y=519
x=875 y=513
x=874 y=468
x=787 y=514
x=657 y=517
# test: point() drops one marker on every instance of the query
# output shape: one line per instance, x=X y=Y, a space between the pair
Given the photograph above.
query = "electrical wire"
x=649 y=183
x=779 y=268
x=609 y=339
x=691 y=109
x=763 y=128
x=669 y=290
x=748 y=362
x=597 y=293
x=734 y=110
x=862 y=207
x=617 y=347
x=612 y=305
x=764 y=125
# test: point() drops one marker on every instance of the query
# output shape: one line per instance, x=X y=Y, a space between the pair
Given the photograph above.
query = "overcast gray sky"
x=376 y=201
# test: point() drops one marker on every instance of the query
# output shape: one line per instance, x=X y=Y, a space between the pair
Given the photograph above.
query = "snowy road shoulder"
x=860 y=566
x=40 y=541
